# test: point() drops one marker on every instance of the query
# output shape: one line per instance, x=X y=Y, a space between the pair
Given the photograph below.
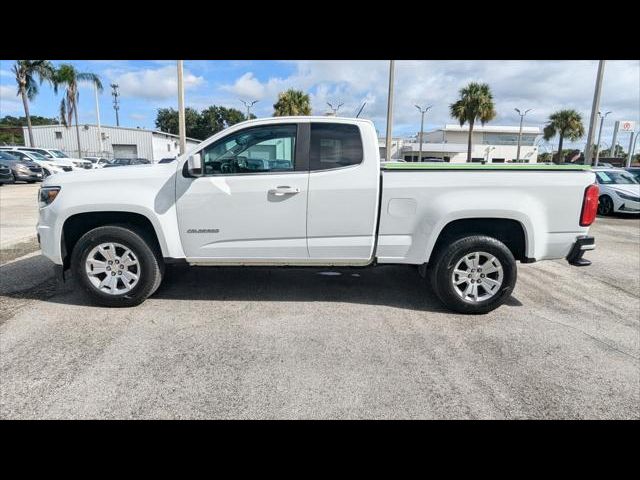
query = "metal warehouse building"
x=109 y=142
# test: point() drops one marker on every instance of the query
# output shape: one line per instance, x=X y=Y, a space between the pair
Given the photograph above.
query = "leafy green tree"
x=292 y=102
x=66 y=75
x=215 y=119
x=27 y=72
x=475 y=103
x=564 y=123
x=619 y=152
x=11 y=128
x=200 y=125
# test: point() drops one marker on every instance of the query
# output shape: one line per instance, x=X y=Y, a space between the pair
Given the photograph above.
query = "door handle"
x=284 y=190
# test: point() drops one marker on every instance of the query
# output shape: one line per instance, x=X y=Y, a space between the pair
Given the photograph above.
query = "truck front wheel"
x=473 y=274
x=116 y=266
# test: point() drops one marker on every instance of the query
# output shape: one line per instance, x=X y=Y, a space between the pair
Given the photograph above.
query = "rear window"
x=334 y=145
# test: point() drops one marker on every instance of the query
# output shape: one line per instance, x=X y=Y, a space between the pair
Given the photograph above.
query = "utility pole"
x=95 y=86
x=615 y=137
x=602 y=117
x=632 y=146
x=422 y=111
x=181 y=122
x=249 y=105
x=335 y=109
x=594 y=109
x=390 y=111
x=520 y=131
x=116 y=106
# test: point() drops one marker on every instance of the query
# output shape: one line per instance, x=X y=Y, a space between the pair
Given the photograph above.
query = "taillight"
x=589 y=205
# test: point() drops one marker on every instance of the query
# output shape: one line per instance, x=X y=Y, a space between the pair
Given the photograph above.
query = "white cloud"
x=544 y=86
x=155 y=84
x=9 y=102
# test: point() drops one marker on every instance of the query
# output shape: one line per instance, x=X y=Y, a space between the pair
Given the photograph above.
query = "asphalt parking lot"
x=313 y=343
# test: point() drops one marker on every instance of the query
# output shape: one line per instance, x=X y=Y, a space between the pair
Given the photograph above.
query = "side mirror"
x=194 y=165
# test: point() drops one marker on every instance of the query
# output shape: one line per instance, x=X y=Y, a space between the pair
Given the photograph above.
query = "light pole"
x=181 y=115
x=95 y=86
x=389 y=111
x=116 y=106
x=594 y=108
x=335 y=109
x=249 y=105
x=602 y=117
x=632 y=147
x=520 y=131
x=422 y=111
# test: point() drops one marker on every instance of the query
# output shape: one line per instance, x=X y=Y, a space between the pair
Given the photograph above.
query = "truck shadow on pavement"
x=389 y=285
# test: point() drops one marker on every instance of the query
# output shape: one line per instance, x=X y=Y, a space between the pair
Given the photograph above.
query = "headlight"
x=627 y=196
x=22 y=167
x=47 y=195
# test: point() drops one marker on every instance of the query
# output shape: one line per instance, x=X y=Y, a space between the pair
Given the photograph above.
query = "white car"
x=310 y=192
x=619 y=191
x=98 y=162
x=56 y=154
x=48 y=167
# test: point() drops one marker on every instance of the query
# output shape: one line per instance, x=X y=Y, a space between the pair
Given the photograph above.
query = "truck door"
x=343 y=192
x=250 y=204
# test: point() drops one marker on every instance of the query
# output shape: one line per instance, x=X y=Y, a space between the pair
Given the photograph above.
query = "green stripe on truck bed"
x=479 y=166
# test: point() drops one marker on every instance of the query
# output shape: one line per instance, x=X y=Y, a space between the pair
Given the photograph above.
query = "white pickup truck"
x=311 y=191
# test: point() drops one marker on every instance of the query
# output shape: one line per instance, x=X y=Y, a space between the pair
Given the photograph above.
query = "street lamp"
x=602 y=117
x=422 y=111
x=520 y=131
x=249 y=105
x=335 y=109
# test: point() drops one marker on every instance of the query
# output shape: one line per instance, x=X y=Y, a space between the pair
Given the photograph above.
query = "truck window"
x=334 y=145
x=254 y=150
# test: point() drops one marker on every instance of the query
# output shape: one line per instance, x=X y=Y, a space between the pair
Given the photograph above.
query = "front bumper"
x=583 y=243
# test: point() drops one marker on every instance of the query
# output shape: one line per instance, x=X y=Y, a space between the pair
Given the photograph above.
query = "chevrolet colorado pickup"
x=311 y=191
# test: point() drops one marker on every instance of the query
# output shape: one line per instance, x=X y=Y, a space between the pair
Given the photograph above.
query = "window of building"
x=253 y=150
x=334 y=145
x=58 y=135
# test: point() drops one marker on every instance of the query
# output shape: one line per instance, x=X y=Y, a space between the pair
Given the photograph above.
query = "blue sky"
x=543 y=86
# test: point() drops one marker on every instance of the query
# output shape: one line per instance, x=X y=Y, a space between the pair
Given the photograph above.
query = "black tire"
x=150 y=264
x=441 y=268
x=605 y=205
x=31 y=181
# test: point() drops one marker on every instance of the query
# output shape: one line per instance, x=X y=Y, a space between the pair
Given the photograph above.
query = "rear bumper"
x=583 y=243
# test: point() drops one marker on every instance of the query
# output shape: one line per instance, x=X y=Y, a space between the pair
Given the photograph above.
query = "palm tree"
x=564 y=123
x=68 y=76
x=26 y=72
x=292 y=102
x=475 y=103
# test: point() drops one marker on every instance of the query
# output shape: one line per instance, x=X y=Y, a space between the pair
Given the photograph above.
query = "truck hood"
x=105 y=176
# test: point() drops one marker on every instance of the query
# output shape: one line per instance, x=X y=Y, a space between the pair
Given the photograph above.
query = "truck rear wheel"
x=116 y=266
x=473 y=274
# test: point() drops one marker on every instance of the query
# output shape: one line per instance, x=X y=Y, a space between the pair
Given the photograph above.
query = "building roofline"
x=160 y=132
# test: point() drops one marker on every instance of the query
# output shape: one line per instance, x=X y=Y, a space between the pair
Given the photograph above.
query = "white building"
x=490 y=144
x=117 y=142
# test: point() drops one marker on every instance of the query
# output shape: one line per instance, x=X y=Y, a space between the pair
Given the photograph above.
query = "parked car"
x=5 y=172
x=310 y=191
x=64 y=164
x=121 y=162
x=54 y=153
x=48 y=167
x=22 y=170
x=635 y=171
x=619 y=191
x=98 y=162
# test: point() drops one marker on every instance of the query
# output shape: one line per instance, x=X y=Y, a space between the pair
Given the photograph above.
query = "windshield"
x=635 y=174
x=612 y=177
x=38 y=156
x=58 y=154
x=7 y=156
